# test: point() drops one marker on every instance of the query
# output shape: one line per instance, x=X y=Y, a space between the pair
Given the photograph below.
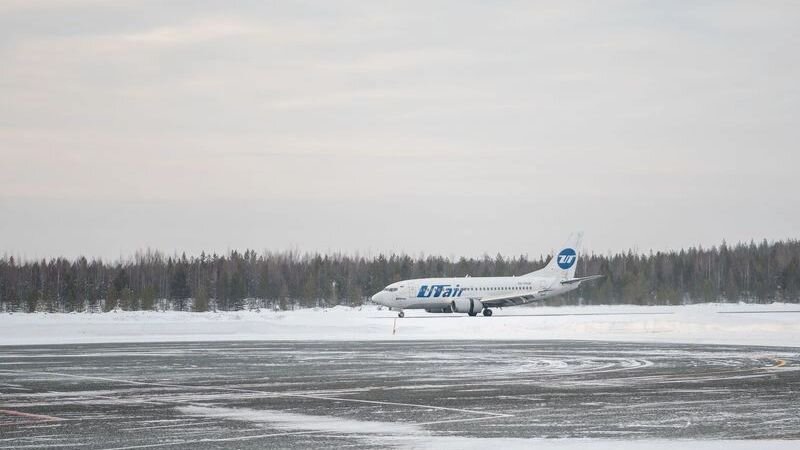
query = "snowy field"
x=745 y=324
x=427 y=381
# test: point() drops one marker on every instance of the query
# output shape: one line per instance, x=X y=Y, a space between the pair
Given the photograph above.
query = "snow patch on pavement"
x=409 y=435
x=465 y=443
x=292 y=421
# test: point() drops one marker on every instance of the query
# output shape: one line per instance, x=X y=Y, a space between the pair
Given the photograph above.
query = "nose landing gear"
x=401 y=314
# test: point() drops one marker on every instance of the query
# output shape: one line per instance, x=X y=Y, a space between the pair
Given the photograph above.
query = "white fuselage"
x=473 y=295
x=437 y=294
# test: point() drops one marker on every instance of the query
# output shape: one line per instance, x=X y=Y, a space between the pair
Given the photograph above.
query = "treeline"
x=751 y=272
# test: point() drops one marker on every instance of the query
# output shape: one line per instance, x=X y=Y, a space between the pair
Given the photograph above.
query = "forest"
x=745 y=272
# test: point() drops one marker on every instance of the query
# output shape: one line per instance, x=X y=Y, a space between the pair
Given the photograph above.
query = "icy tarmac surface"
x=392 y=394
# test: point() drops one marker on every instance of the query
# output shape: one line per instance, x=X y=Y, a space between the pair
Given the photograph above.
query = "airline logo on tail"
x=566 y=258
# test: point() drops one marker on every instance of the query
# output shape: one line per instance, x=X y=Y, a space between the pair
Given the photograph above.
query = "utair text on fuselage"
x=472 y=295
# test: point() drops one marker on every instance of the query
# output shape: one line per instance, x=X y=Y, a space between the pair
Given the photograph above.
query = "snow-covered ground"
x=775 y=324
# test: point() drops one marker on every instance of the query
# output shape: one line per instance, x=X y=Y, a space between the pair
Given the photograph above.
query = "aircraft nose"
x=382 y=298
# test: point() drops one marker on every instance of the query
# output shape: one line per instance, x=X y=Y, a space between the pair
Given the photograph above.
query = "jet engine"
x=467 y=305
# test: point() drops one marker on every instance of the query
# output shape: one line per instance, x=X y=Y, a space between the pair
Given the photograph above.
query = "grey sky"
x=452 y=128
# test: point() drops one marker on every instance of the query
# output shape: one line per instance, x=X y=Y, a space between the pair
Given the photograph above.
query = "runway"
x=392 y=394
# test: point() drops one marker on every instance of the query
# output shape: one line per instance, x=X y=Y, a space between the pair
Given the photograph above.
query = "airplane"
x=472 y=295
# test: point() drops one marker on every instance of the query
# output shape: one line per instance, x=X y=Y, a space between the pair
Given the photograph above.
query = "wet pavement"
x=392 y=394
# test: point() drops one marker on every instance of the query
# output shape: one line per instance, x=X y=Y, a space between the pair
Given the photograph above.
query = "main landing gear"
x=401 y=314
x=487 y=312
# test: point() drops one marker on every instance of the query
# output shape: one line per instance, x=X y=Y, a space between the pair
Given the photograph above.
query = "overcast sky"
x=452 y=128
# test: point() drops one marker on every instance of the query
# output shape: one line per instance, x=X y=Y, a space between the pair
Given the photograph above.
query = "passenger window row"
x=511 y=288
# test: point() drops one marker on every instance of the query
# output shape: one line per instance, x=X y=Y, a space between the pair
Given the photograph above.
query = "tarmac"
x=207 y=395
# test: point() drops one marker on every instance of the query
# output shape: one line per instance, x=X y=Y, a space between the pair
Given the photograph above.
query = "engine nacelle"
x=467 y=305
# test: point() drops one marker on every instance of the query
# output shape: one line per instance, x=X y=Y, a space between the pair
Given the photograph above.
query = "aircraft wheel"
x=472 y=314
x=401 y=314
x=487 y=312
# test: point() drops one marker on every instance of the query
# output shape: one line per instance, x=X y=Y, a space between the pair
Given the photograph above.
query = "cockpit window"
x=390 y=289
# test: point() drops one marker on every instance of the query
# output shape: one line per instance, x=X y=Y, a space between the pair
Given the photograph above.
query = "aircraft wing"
x=514 y=299
x=578 y=280
x=528 y=297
